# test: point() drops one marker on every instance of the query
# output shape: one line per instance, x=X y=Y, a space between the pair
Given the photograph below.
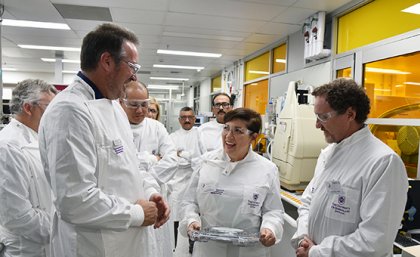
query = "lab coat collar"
x=30 y=135
x=223 y=161
x=354 y=138
x=98 y=94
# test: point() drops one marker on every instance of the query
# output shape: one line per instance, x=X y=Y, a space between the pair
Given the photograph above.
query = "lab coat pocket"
x=253 y=198
x=344 y=206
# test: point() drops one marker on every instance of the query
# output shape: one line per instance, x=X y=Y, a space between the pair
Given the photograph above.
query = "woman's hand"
x=194 y=226
x=267 y=237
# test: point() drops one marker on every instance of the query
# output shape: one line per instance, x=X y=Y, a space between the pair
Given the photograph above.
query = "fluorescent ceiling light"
x=9 y=69
x=165 y=78
x=212 y=55
x=413 y=9
x=202 y=36
x=281 y=60
x=259 y=72
x=386 y=71
x=167 y=87
x=56 y=48
x=198 y=68
x=70 y=71
x=35 y=24
x=412 y=83
x=63 y=60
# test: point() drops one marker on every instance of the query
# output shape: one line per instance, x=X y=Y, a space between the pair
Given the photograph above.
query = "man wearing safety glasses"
x=155 y=149
x=105 y=203
x=212 y=131
x=354 y=203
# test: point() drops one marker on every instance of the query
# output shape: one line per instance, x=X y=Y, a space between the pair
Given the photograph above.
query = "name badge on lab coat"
x=334 y=187
x=117 y=145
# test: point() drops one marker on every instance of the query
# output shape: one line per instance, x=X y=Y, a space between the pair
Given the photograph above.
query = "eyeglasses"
x=152 y=110
x=324 y=117
x=42 y=105
x=134 y=104
x=135 y=67
x=236 y=131
x=224 y=105
x=187 y=117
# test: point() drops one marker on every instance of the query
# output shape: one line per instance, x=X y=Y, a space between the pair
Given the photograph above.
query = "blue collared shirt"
x=98 y=94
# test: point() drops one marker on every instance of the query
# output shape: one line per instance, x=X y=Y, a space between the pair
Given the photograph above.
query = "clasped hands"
x=156 y=210
x=304 y=247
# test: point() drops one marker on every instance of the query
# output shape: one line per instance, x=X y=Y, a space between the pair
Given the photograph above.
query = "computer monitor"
x=411 y=217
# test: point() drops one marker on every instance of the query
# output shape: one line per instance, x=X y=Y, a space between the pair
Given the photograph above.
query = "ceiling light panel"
x=63 y=60
x=35 y=24
x=167 y=78
x=198 y=68
x=187 y=53
x=54 y=48
x=415 y=9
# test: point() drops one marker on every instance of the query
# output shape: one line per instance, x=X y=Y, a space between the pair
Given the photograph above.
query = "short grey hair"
x=29 y=91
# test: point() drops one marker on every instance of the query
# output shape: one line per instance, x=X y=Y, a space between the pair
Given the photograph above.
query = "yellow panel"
x=404 y=140
x=279 y=58
x=391 y=84
x=216 y=84
x=344 y=73
x=256 y=96
x=257 y=67
x=375 y=21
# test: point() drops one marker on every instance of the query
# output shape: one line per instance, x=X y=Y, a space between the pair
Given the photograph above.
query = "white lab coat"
x=212 y=135
x=354 y=204
x=243 y=195
x=190 y=145
x=88 y=154
x=25 y=202
x=151 y=138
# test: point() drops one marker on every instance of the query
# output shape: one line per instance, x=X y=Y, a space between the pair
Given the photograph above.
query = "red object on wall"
x=60 y=87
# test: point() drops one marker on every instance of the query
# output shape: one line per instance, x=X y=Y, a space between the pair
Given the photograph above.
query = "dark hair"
x=216 y=95
x=251 y=117
x=105 y=38
x=186 y=109
x=344 y=93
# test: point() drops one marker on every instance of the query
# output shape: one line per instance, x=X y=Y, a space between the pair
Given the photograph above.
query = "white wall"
x=205 y=104
x=314 y=76
x=13 y=77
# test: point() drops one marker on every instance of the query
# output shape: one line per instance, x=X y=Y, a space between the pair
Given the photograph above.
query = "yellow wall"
x=216 y=84
x=256 y=96
x=375 y=21
x=257 y=67
x=279 y=53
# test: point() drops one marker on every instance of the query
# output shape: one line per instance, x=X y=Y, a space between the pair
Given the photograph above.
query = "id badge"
x=334 y=187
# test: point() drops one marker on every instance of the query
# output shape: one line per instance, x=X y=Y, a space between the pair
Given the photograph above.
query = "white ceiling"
x=234 y=28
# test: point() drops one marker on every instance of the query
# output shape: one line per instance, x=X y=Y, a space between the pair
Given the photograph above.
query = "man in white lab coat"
x=212 y=131
x=104 y=203
x=189 y=145
x=354 y=204
x=156 y=151
x=25 y=202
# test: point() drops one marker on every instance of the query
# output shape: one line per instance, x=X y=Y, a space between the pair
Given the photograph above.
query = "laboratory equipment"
x=297 y=142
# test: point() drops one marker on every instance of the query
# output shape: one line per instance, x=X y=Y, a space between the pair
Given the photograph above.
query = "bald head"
x=135 y=85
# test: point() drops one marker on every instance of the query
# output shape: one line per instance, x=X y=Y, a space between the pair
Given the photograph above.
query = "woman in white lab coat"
x=235 y=188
